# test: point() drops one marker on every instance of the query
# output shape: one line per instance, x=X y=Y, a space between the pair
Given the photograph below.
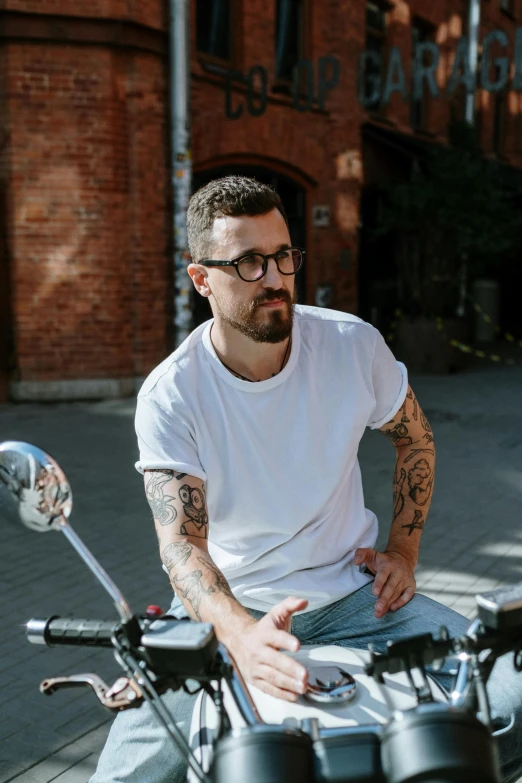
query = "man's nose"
x=273 y=277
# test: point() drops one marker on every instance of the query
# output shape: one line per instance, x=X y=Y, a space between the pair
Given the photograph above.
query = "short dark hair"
x=231 y=196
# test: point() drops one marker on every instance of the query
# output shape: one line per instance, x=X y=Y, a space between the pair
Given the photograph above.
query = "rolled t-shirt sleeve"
x=390 y=384
x=165 y=441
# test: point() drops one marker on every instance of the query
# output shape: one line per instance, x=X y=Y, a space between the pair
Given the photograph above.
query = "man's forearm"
x=203 y=589
x=412 y=493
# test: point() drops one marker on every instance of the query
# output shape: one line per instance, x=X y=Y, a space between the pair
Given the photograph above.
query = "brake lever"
x=125 y=693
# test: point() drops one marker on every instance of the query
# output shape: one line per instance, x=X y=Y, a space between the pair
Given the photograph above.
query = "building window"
x=376 y=24
x=213 y=28
x=507 y=6
x=421 y=32
x=289 y=36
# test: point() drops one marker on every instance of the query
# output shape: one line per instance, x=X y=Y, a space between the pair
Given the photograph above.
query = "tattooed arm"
x=411 y=435
x=179 y=508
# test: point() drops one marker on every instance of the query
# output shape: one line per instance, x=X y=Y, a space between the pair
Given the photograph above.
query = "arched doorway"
x=293 y=196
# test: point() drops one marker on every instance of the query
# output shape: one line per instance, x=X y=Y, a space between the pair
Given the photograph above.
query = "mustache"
x=272 y=296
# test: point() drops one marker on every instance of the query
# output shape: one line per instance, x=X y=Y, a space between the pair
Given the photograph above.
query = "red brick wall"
x=85 y=174
x=151 y=13
x=89 y=184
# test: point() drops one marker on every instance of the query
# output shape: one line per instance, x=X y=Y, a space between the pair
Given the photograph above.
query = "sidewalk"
x=473 y=541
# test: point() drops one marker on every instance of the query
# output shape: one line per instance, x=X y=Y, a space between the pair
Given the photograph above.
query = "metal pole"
x=181 y=162
x=101 y=575
x=473 y=40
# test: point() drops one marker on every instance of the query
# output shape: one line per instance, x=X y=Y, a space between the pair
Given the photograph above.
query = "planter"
x=425 y=349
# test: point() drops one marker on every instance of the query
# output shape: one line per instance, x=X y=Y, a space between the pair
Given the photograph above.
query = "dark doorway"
x=294 y=200
x=378 y=276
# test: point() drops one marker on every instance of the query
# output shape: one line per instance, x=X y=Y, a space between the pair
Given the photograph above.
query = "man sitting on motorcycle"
x=248 y=436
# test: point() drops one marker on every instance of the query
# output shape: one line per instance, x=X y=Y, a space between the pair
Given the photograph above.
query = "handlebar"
x=69 y=631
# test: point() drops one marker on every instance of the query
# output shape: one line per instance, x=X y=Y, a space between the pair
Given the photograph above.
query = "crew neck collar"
x=253 y=387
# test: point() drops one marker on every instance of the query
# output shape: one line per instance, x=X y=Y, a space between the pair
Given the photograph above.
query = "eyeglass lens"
x=251 y=267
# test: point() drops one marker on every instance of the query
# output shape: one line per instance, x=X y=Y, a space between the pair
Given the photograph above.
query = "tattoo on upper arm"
x=162 y=505
x=418 y=451
x=425 y=423
x=420 y=482
x=195 y=507
x=399 y=435
x=417 y=523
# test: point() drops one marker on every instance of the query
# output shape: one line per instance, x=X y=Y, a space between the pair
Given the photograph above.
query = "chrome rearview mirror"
x=34 y=488
x=33 y=484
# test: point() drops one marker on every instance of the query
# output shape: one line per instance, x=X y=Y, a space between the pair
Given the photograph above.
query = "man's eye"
x=282 y=255
x=249 y=260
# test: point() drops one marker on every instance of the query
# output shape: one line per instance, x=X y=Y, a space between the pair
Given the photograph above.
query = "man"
x=248 y=439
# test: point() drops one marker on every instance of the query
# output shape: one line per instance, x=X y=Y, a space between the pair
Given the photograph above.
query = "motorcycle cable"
x=131 y=665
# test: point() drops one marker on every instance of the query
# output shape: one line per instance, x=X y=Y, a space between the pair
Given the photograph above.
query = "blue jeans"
x=138 y=752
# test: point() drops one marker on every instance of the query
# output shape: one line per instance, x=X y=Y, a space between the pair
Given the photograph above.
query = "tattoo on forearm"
x=162 y=506
x=193 y=590
x=190 y=588
x=416 y=524
x=176 y=554
x=194 y=506
x=420 y=482
x=398 y=497
x=220 y=583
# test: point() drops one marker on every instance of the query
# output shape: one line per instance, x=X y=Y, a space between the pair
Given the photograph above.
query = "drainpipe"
x=473 y=37
x=473 y=42
x=181 y=165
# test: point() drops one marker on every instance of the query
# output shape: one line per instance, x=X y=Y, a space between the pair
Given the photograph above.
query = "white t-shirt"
x=278 y=457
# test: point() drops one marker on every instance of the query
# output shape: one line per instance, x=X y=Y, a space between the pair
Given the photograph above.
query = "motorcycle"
x=366 y=717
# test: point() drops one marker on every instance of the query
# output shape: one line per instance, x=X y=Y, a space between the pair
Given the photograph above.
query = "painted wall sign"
x=378 y=81
x=310 y=87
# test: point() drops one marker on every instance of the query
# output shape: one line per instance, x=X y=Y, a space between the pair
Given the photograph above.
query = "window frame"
x=280 y=83
x=220 y=62
x=507 y=7
x=378 y=109
x=429 y=30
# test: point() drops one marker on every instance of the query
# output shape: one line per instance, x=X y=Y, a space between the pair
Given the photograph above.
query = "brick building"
x=86 y=283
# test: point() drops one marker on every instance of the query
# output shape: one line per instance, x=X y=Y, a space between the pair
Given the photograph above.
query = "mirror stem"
x=119 y=601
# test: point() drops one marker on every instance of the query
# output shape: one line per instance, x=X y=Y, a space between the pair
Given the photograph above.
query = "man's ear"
x=199 y=276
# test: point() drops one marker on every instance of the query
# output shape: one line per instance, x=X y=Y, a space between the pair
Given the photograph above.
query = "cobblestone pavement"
x=473 y=541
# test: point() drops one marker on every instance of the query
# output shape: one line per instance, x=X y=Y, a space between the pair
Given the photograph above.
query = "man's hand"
x=257 y=652
x=394 y=583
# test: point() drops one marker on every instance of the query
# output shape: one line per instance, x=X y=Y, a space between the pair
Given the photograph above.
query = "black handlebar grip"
x=70 y=631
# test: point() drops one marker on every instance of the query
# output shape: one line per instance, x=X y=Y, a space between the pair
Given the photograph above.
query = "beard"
x=276 y=325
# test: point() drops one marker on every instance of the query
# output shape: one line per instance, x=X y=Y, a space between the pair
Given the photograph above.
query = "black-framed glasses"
x=253 y=266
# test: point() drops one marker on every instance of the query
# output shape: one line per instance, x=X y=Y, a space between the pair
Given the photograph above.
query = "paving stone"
x=473 y=539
